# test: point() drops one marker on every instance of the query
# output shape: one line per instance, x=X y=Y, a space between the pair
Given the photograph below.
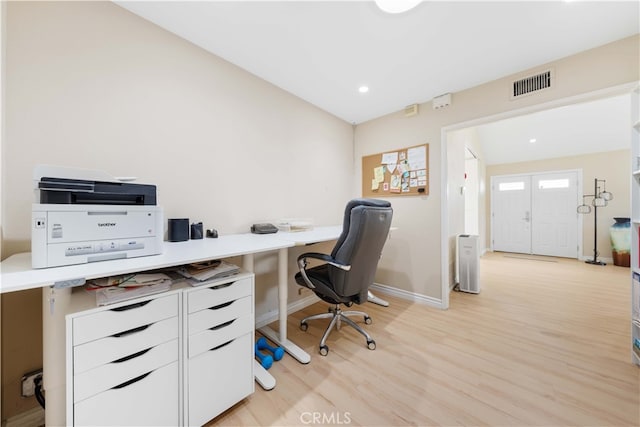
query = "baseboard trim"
x=406 y=295
x=272 y=316
x=32 y=417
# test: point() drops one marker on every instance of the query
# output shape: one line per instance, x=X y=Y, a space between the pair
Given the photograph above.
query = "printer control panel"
x=102 y=247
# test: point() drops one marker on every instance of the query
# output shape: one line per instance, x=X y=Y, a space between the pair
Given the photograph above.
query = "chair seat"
x=319 y=276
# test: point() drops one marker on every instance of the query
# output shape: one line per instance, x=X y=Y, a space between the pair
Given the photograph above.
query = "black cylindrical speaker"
x=178 y=229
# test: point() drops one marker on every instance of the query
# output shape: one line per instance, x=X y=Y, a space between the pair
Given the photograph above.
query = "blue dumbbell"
x=265 y=360
x=262 y=344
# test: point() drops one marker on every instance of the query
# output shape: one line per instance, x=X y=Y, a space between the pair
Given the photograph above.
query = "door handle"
x=527 y=216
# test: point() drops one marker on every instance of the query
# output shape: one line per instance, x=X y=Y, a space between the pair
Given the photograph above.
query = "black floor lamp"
x=600 y=199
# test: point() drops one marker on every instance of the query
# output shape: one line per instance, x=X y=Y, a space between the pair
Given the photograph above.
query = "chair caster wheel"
x=371 y=345
x=367 y=320
x=304 y=326
x=324 y=350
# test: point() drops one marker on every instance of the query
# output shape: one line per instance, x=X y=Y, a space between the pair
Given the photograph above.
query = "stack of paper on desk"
x=197 y=274
x=293 y=225
x=131 y=280
x=121 y=288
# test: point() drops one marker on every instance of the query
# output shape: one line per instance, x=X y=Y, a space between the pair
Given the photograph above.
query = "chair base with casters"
x=338 y=316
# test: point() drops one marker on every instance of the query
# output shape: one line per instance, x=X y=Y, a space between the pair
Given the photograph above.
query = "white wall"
x=91 y=85
x=479 y=191
x=471 y=197
x=415 y=253
x=456 y=151
x=127 y=97
x=413 y=249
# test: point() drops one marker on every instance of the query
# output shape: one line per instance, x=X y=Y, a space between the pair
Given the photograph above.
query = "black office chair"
x=350 y=269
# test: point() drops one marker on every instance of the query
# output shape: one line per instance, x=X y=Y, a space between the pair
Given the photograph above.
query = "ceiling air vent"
x=531 y=84
x=411 y=110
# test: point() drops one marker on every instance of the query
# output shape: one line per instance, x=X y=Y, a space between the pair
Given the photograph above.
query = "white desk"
x=315 y=235
x=322 y=234
x=17 y=274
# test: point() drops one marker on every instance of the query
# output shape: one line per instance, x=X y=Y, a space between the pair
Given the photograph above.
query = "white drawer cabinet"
x=149 y=400
x=123 y=317
x=218 y=347
x=217 y=293
x=125 y=363
x=178 y=358
x=114 y=375
x=95 y=353
x=224 y=372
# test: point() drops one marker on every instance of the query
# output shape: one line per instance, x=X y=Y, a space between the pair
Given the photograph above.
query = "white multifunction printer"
x=83 y=216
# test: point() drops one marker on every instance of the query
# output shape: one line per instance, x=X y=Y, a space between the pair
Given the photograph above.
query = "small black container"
x=196 y=231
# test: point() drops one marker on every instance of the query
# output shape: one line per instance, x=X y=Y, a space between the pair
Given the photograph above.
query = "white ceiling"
x=323 y=51
x=590 y=127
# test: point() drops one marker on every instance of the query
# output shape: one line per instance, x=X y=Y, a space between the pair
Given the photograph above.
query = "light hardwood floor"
x=546 y=343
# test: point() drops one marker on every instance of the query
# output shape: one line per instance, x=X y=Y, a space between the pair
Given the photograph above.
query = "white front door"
x=535 y=213
x=554 y=225
x=511 y=216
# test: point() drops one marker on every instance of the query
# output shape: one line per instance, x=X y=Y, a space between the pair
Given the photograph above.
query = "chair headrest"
x=377 y=203
x=366 y=202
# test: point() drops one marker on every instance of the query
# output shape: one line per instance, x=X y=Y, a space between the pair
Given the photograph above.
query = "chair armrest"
x=302 y=264
x=322 y=257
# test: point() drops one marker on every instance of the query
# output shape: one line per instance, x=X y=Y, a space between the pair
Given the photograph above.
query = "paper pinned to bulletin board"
x=403 y=172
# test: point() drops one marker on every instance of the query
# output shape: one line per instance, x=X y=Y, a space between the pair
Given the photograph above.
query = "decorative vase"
x=621 y=242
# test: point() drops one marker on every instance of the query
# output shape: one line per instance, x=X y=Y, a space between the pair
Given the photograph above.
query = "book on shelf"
x=197 y=274
x=635 y=296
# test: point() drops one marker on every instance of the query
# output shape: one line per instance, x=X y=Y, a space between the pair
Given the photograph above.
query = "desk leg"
x=283 y=289
x=55 y=303
x=247 y=262
x=262 y=377
x=374 y=299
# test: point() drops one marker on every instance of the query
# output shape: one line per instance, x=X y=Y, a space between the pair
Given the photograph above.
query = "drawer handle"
x=132 y=356
x=130 y=331
x=128 y=383
x=223 y=305
x=222 y=325
x=221 y=345
x=224 y=285
x=132 y=306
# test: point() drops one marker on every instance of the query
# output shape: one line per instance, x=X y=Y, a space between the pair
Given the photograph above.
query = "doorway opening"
x=536 y=213
x=453 y=217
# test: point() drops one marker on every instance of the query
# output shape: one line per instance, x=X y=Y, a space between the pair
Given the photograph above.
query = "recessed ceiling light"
x=363 y=89
x=397 y=6
x=532 y=140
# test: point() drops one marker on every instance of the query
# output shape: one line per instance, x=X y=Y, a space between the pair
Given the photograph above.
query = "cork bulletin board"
x=403 y=172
